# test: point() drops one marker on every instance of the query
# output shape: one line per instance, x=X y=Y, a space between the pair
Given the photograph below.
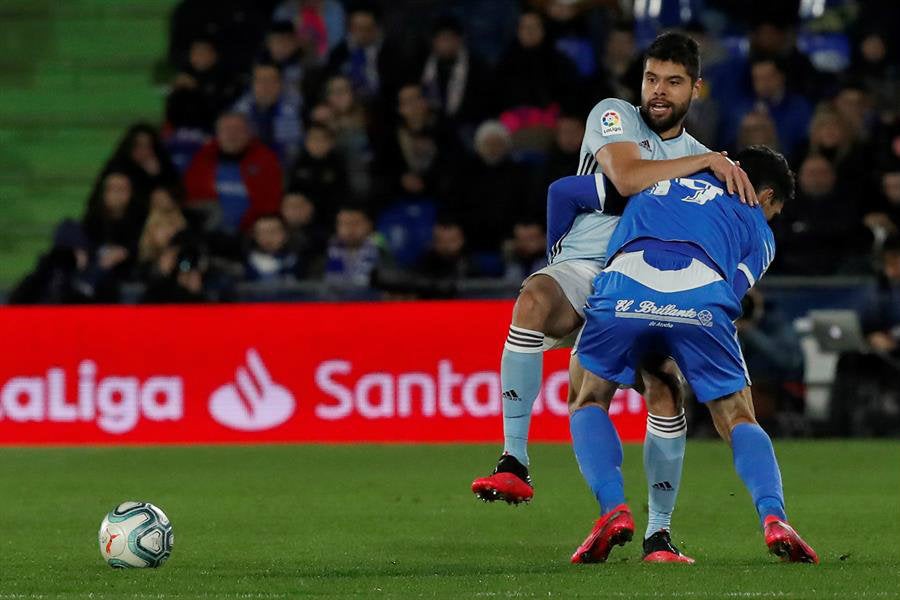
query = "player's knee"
x=532 y=309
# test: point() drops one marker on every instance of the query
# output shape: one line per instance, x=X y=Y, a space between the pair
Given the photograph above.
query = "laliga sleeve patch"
x=611 y=123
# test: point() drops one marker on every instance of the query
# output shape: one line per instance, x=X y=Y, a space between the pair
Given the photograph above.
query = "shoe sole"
x=667 y=557
x=618 y=538
x=492 y=495
x=784 y=549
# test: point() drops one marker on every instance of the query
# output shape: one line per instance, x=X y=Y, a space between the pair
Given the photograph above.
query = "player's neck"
x=672 y=132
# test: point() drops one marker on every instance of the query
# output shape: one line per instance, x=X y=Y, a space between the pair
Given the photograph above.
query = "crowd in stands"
x=397 y=148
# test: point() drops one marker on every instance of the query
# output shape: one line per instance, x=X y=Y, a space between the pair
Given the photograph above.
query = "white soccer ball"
x=136 y=534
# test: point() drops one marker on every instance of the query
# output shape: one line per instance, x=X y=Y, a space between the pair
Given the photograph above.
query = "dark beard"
x=678 y=113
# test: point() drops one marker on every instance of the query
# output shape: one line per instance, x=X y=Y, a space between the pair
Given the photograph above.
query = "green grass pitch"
x=399 y=521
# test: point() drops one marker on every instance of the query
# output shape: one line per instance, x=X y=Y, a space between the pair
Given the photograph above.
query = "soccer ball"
x=136 y=534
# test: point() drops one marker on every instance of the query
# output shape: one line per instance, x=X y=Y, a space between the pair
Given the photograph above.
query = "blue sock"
x=521 y=368
x=755 y=463
x=599 y=454
x=663 y=458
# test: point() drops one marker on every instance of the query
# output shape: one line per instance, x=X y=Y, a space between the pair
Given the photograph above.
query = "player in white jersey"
x=633 y=147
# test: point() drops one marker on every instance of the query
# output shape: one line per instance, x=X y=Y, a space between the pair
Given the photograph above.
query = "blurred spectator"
x=188 y=123
x=318 y=24
x=881 y=318
x=270 y=259
x=831 y=136
x=494 y=191
x=622 y=62
x=562 y=160
x=164 y=198
x=865 y=397
x=453 y=80
x=526 y=253
x=355 y=251
x=533 y=73
x=283 y=49
x=790 y=112
x=205 y=73
x=319 y=172
x=447 y=259
x=876 y=56
x=773 y=356
x=855 y=106
x=884 y=215
x=237 y=26
x=142 y=157
x=757 y=127
x=113 y=223
x=62 y=275
x=185 y=284
x=348 y=120
x=415 y=157
x=235 y=175
x=821 y=232
x=372 y=65
x=162 y=225
x=274 y=112
x=307 y=231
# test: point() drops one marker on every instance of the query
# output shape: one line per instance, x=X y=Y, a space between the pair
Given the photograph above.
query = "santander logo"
x=254 y=402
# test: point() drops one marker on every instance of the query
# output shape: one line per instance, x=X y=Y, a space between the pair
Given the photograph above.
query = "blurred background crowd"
x=399 y=148
x=345 y=149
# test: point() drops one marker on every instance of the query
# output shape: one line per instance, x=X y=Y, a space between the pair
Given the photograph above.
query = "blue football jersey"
x=699 y=210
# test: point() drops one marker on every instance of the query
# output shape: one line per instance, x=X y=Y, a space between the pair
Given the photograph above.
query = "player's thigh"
x=592 y=389
x=610 y=345
x=552 y=300
x=732 y=410
x=540 y=299
x=709 y=355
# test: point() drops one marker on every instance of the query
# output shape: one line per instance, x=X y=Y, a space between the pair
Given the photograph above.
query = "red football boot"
x=509 y=482
x=658 y=548
x=783 y=541
x=614 y=528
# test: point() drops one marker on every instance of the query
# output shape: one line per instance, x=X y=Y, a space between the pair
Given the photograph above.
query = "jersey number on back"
x=703 y=191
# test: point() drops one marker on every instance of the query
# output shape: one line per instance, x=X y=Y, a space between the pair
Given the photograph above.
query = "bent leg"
x=754 y=456
x=540 y=309
x=597 y=446
x=664 y=442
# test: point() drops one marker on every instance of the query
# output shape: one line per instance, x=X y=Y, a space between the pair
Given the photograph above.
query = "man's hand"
x=736 y=180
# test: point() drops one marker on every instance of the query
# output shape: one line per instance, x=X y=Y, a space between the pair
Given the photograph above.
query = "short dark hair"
x=767 y=168
x=679 y=48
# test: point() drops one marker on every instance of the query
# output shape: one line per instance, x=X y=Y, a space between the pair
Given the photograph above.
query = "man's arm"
x=621 y=162
x=566 y=199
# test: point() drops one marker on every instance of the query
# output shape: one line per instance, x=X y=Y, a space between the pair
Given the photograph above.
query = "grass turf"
x=398 y=521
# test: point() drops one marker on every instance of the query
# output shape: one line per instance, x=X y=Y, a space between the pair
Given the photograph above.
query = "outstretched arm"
x=567 y=198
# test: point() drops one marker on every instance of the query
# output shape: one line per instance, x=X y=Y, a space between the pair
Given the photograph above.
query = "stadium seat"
x=407 y=225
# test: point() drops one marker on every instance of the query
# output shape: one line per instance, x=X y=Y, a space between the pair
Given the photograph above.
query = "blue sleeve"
x=566 y=199
x=755 y=261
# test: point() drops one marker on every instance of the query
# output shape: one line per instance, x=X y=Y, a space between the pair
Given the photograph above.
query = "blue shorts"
x=655 y=302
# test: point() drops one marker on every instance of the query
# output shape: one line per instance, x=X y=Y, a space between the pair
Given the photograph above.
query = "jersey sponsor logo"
x=645 y=144
x=611 y=123
x=255 y=402
x=662 y=316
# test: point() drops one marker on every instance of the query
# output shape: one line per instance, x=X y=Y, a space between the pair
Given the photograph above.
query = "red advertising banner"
x=383 y=372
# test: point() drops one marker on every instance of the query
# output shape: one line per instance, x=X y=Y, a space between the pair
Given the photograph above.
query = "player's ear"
x=766 y=196
x=697 y=88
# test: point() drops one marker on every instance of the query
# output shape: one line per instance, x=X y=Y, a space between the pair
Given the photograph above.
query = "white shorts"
x=576 y=279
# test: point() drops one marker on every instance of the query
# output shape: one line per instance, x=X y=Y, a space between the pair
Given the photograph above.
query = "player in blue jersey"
x=683 y=255
x=631 y=148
